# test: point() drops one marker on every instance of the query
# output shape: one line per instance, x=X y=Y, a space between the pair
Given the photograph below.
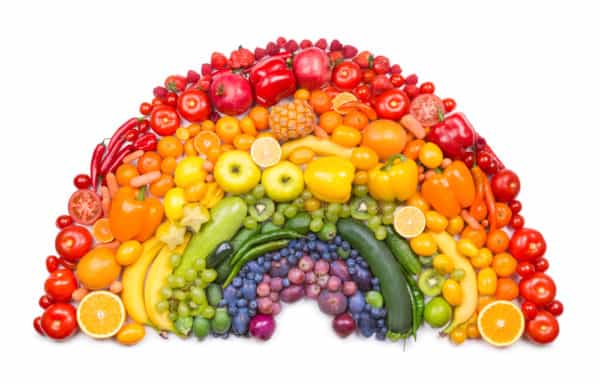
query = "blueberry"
x=345 y=245
x=350 y=262
x=284 y=252
x=276 y=256
x=240 y=322
x=334 y=255
x=351 y=270
x=232 y=310
x=321 y=247
x=374 y=311
x=258 y=278
x=237 y=282
x=311 y=245
x=260 y=260
x=368 y=308
x=285 y=282
x=252 y=304
x=354 y=253
x=337 y=240
x=267 y=265
x=249 y=291
x=222 y=303
x=326 y=256
x=380 y=336
x=229 y=294
x=380 y=322
x=312 y=236
x=252 y=312
x=242 y=303
x=314 y=256
x=293 y=243
x=250 y=276
x=375 y=281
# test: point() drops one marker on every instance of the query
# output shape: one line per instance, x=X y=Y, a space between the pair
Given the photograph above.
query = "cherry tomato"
x=82 y=181
x=363 y=92
x=427 y=88
x=63 y=221
x=469 y=159
x=45 y=301
x=527 y=244
x=172 y=99
x=381 y=65
x=449 y=104
x=397 y=80
x=517 y=222
x=60 y=285
x=543 y=328
x=486 y=163
x=37 y=325
x=59 y=321
x=505 y=185
x=515 y=206
x=143 y=125
x=525 y=269
x=194 y=105
x=73 y=242
x=555 y=308
x=85 y=207
x=529 y=310
x=392 y=104
x=346 y=75
x=51 y=263
x=164 y=120
x=538 y=288
x=145 y=108
x=541 y=265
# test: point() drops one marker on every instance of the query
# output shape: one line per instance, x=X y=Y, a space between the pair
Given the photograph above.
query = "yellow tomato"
x=487 y=281
x=443 y=264
x=131 y=334
x=189 y=170
x=467 y=248
x=361 y=177
x=346 y=136
x=417 y=201
x=482 y=259
x=195 y=192
x=301 y=155
x=435 y=221
x=452 y=292
x=173 y=202
x=364 y=158
x=431 y=155
x=128 y=252
x=455 y=225
x=423 y=244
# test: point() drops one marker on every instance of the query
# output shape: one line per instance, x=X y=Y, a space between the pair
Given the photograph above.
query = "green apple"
x=283 y=182
x=236 y=172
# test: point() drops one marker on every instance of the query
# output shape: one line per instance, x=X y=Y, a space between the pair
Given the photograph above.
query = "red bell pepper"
x=455 y=135
x=272 y=80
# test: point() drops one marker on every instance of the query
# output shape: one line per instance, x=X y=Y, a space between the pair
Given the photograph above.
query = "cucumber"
x=402 y=251
x=225 y=220
x=300 y=223
x=221 y=253
x=381 y=261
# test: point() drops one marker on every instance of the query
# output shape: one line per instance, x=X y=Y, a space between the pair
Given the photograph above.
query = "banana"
x=133 y=281
x=155 y=280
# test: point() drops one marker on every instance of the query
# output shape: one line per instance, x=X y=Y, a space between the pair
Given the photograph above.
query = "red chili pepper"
x=118 y=158
x=95 y=164
x=454 y=135
x=111 y=153
x=131 y=123
x=272 y=80
x=146 y=142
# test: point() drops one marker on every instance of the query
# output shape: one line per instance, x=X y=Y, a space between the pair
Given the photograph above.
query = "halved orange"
x=265 y=151
x=409 y=221
x=204 y=141
x=341 y=99
x=100 y=314
x=101 y=231
x=501 y=323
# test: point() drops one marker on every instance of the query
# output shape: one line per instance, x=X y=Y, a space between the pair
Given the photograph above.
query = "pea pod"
x=402 y=251
x=242 y=236
x=417 y=301
x=263 y=238
x=253 y=253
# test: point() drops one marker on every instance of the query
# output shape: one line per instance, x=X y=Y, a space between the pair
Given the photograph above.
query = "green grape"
x=298 y=203
x=331 y=217
x=388 y=207
x=258 y=191
x=171 y=280
x=319 y=213
x=199 y=264
x=179 y=281
x=290 y=211
x=175 y=260
x=183 y=310
x=184 y=325
x=166 y=292
x=380 y=233
x=209 y=275
x=162 y=306
x=192 y=305
x=343 y=253
x=333 y=208
x=208 y=312
x=250 y=223
x=179 y=295
x=372 y=210
x=278 y=219
x=387 y=219
x=249 y=199
x=316 y=225
x=306 y=195
x=197 y=282
x=374 y=222
x=173 y=316
x=281 y=207
x=345 y=211
x=190 y=274
x=198 y=296
x=360 y=190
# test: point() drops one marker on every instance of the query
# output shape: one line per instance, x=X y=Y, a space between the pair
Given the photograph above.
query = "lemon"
x=409 y=221
x=265 y=151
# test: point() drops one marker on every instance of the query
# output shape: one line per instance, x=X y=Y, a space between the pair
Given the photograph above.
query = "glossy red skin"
x=505 y=185
x=37 y=325
x=543 y=328
x=455 y=135
x=525 y=269
x=59 y=321
x=60 y=285
x=164 y=120
x=529 y=310
x=82 y=181
x=392 y=104
x=538 y=288
x=175 y=83
x=63 y=221
x=272 y=80
x=541 y=265
x=344 y=325
x=73 y=242
x=312 y=68
x=555 y=308
x=527 y=244
x=346 y=75
x=45 y=301
x=517 y=222
x=230 y=93
x=51 y=263
x=194 y=105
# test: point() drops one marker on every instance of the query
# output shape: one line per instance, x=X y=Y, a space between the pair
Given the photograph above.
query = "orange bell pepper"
x=438 y=193
x=132 y=216
x=461 y=182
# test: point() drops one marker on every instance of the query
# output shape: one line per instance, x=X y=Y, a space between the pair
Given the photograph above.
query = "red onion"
x=344 y=325
x=262 y=326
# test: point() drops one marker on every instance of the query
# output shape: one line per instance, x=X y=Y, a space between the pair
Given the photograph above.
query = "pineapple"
x=292 y=120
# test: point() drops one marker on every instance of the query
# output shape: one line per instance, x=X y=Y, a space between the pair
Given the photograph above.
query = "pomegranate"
x=312 y=68
x=231 y=93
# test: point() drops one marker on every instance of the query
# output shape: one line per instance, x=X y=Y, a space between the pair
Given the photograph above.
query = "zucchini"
x=382 y=263
x=300 y=223
x=402 y=251
x=221 y=253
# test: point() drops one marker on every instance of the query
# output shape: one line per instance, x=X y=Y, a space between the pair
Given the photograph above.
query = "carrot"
x=111 y=183
x=470 y=220
x=144 y=179
x=490 y=202
x=105 y=200
x=413 y=125
x=478 y=208
x=133 y=156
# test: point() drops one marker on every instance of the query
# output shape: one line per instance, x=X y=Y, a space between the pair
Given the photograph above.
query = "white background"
x=526 y=74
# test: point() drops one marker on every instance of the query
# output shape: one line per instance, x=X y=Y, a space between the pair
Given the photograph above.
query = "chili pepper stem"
x=141 y=194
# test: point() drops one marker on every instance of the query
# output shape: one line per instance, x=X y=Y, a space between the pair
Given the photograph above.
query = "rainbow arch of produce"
x=298 y=170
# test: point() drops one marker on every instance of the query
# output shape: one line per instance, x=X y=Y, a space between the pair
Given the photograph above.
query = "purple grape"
x=280 y=268
x=263 y=289
x=334 y=283
x=276 y=284
x=265 y=305
x=312 y=291
x=276 y=308
x=310 y=277
x=332 y=303
x=340 y=269
x=274 y=296
x=296 y=276
x=306 y=264
x=292 y=293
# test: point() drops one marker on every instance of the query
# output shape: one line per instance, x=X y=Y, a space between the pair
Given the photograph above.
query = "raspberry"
x=349 y=51
x=160 y=92
x=192 y=76
x=321 y=43
x=281 y=41
x=411 y=90
x=218 y=60
x=305 y=43
x=412 y=79
x=396 y=69
x=206 y=69
x=335 y=45
x=259 y=53
x=272 y=48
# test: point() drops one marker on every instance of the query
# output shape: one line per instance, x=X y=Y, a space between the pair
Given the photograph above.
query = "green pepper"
x=263 y=238
x=252 y=254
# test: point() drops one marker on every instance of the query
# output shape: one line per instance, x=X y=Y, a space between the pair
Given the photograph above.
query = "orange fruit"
x=417 y=201
x=497 y=241
x=150 y=161
x=504 y=264
x=98 y=268
x=386 y=137
x=503 y=214
x=182 y=133
x=364 y=158
x=228 y=128
x=346 y=136
x=125 y=172
x=483 y=300
x=169 y=146
x=101 y=231
x=413 y=148
x=501 y=323
x=247 y=126
x=320 y=101
x=302 y=94
x=409 y=221
x=356 y=119
x=265 y=152
x=194 y=129
x=301 y=155
x=260 y=116
x=205 y=140
x=478 y=236
x=330 y=120
x=207 y=125
x=188 y=148
x=168 y=165
x=160 y=187
x=243 y=142
x=507 y=289
x=100 y=314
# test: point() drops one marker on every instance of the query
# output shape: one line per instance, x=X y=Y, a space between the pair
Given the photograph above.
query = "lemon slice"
x=501 y=323
x=341 y=99
x=265 y=151
x=100 y=314
x=409 y=221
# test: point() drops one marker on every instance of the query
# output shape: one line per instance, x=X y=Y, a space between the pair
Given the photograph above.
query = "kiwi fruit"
x=262 y=210
x=359 y=207
x=431 y=282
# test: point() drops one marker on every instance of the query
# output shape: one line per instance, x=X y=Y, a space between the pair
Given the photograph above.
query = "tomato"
x=171 y=99
x=527 y=244
x=59 y=321
x=363 y=92
x=194 y=105
x=427 y=109
x=392 y=104
x=503 y=214
x=543 y=328
x=427 y=88
x=82 y=181
x=517 y=222
x=51 y=263
x=541 y=265
x=515 y=206
x=529 y=310
x=505 y=185
x=60 y=285
x=37 y=325
x=346 y=136
x=449 y=104
x=164 y=120
x=346 y=75
x=497 y=241
x=145 y=108
x=525 y=269
x=73 y=242
x=538 y=288
x=555 y=308
x=504 y=264
x=381 y=65
x=85 y=207
x=63 y=221
x=486 y=163
x=45 y=301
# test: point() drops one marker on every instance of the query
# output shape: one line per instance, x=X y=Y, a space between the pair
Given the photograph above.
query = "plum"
x=340 y=270
x=332 y=303
x=292 y=293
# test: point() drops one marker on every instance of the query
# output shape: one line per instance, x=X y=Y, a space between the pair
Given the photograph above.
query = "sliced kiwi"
x=262 y=210
x=359 y=207
x=431 y=282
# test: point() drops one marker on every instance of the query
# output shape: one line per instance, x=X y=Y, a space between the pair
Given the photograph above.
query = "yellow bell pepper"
x=174 y=201
x=395 y=179
x=189 y=170
x=330 y=178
